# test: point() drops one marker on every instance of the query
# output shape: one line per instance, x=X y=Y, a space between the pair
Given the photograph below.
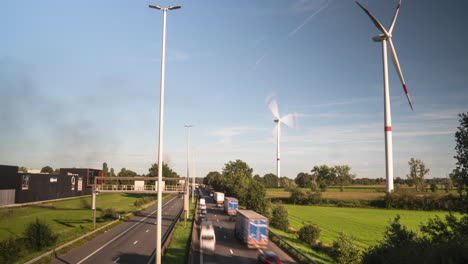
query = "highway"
x=133 y=241
x=229 y=250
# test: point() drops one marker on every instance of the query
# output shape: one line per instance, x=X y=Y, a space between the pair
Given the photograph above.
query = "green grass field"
x=69 y=218
x=366 y=225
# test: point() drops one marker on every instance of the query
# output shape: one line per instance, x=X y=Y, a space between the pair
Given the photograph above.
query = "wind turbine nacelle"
x=380 y=38
x=276 y=120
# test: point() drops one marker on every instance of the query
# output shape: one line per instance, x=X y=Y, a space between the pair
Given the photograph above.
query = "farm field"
x=366 y=225
x=69 y=218
x=335 y=195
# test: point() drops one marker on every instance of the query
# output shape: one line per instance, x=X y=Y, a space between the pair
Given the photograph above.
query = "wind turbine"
x=289 y=120
x=385 y=37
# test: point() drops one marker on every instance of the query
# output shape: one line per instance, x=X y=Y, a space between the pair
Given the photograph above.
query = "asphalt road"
x=133 y=241
x=228 y=248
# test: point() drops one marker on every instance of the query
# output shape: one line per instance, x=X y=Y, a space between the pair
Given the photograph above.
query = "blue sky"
x=79 y=84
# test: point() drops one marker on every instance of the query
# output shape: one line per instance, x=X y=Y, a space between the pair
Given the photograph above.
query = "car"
x=268 y=257
x=203 y=211
x=207 y=237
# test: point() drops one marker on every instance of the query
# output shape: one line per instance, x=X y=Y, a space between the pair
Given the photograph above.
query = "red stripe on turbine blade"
x=404 y=88
x=388 y=128
x=398 y=6
x=278 y=159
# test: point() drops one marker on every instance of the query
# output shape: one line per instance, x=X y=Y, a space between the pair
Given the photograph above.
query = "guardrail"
x=291 y=249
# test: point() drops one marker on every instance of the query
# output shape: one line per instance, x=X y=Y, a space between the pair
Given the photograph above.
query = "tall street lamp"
x=188 y=156
x=186 y=196
x=161 y=123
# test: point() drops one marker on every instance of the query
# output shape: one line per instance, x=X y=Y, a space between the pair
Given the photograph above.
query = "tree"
x=309 y=234
x=57 y=171
x=345 y=251
x=112 y=172
x=324 y=175
x=297 y=196
x=460 y=173
x=166 y=172
x=237 y=175
x=105 y=170
x=23 y=169
x=270 y=180
x=280 y=218
x=215 y=179
x=254 y=198
x=39 y=235
x=287 y=183
x=342 y=175
x=47 y=169
x=417 y=172
x=259 y=179
x=303 y=180
x=442 y=241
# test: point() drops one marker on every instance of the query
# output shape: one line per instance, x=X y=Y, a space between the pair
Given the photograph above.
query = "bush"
x=344 y=250
x=309 y=234
x=38 y=235
x=297 y=196
x=279 y=217
x=10 y=250
x=108 y=213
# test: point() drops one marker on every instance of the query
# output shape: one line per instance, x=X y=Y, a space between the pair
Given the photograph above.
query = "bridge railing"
x=133 y=188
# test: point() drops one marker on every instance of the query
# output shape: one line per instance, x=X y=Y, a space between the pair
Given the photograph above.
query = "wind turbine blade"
x=273 y=105
x=394 y=17
x=376 y=22
x=274 y=132
x=398 y=69
x=289 y=120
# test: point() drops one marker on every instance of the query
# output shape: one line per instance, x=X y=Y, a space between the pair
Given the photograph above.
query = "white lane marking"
x=135 y=242
x=231 y=251
x=147 y=231
x=117 y=259
x=224 y=236
x=112 y=240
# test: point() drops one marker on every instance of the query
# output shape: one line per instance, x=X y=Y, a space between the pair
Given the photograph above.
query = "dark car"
x=268 y=257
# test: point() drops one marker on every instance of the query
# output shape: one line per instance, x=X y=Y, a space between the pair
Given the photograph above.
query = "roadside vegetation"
x=179 y=248
x=66 y=220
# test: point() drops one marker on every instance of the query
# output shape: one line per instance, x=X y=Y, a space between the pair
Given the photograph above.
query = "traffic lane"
x=75 y=255
x=229 y=245
x=137 y=245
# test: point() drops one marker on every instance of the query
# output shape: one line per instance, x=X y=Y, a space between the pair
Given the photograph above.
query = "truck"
x=230 y=205
x=219 y=198
x=252 y=228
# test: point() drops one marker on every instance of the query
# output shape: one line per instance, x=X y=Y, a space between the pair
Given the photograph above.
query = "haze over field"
x=79 y=84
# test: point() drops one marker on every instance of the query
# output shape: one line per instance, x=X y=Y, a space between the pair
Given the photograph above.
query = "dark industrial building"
x=18 y=187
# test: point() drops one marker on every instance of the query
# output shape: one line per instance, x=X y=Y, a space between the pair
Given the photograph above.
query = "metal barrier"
x=290 y=247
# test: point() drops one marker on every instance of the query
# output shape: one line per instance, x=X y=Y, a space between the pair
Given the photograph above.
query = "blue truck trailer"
x=252 y=228
x=230 y=205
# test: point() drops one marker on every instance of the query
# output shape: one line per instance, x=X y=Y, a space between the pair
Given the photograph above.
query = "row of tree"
x=152 y=172
x=237 y=180
x=321 y=177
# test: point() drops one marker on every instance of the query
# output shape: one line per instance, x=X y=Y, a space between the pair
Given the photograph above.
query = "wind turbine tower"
x=384 y=38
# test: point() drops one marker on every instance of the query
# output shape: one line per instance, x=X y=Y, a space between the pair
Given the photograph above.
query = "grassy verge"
x=319 y=257
x=179 y=248
x=365 y=224
x=69 y=219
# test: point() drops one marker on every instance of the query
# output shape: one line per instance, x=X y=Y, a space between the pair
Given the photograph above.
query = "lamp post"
x=161 y=123
x=188 y=155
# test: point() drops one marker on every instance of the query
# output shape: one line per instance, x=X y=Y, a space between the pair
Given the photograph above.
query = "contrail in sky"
x=308 y=19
